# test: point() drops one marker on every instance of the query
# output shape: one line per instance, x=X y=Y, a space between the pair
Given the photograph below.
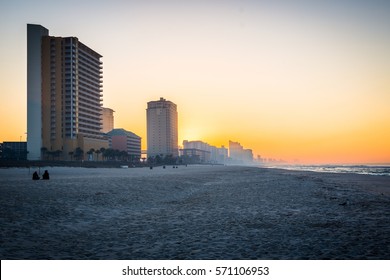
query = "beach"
x=193 y=212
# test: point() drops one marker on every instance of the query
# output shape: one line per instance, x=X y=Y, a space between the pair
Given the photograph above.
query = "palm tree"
x=157 y=159
x=97 y=152
x=108 y=153
x=51 y=154
x=90 y=152
x=124 y=155
x=102 y=150
x=57 y=154
x=117 y=154
x=78 y=153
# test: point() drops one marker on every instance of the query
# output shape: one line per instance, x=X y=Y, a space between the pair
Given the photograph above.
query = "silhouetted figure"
x=35 y=176
x=45 y=175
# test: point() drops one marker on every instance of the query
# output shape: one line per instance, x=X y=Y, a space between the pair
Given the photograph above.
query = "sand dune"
x=194 y=212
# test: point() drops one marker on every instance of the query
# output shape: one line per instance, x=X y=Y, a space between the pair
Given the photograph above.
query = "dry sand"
x=194 y=212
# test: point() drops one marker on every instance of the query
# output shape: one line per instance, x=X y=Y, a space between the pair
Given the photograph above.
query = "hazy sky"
x=307 y=80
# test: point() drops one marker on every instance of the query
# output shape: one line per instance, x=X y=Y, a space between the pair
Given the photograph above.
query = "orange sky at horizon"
x=307 y=82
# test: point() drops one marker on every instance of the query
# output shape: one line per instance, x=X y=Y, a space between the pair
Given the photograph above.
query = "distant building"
x=203 y=152
x=107 y=119
x=199 y=145
x=223 y=154
x=14 y=150
x=162 y=128
x=238 y=154
x=196 y=151
x=124 y=140
x=64 y=95
x=259 y=159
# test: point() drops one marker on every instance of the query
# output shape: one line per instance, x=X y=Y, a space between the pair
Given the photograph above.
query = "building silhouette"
x=64 y=95
x=162 y=128
x=13 y=150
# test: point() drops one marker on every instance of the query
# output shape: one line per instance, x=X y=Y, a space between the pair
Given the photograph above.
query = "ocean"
x=376 y=170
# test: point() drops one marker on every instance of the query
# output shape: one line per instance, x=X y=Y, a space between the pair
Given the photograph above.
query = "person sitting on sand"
x=35 y=176
x=45 y=175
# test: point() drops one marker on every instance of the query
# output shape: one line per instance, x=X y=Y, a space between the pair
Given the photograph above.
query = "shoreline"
x=194 y=212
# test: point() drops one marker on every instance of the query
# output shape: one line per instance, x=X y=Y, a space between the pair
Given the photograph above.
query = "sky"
x=303 y=81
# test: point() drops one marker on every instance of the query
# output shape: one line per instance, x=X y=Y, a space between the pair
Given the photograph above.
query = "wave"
x=375 y=170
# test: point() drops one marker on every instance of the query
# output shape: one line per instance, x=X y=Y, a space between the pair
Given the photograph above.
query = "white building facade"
x=34 y=90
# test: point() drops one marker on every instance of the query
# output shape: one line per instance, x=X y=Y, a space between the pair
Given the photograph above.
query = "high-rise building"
x=239 y=154
x=222 y=154
x=108 y=119
x=65 y=109
x=162 y=128
x=34 y=89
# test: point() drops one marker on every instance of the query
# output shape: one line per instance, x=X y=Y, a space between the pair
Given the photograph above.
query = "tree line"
x=92 y=154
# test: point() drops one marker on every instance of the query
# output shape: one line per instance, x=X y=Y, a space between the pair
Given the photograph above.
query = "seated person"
x=45 y=175
x=35 y=176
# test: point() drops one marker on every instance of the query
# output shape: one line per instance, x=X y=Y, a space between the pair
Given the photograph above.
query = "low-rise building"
x=123 y=140
x=203 y=153
x=14 y=150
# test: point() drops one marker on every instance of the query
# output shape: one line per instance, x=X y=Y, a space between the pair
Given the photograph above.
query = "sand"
x=194 y=212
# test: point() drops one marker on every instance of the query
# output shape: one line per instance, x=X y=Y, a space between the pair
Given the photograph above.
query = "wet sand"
x=194 y=212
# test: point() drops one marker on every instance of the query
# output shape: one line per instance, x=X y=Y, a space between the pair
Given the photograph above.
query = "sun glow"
x=288 y=81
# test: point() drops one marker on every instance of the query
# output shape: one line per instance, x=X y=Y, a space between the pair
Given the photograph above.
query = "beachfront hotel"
x=162 y=128
x=238 y=154
x=127 y=141
x=64 y=95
